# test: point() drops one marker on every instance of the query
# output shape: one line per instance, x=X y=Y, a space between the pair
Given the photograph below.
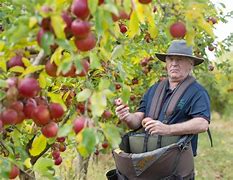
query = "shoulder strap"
x=177 y=94
x=157 y=99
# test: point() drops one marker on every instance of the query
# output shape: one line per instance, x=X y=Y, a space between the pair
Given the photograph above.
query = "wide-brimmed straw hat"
x=179 y=48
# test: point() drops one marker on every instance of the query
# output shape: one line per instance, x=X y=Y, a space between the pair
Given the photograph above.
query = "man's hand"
x=155 y=126
x=122 y=110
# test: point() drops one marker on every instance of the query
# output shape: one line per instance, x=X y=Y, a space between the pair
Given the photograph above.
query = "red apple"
x=50 y=130
x=178 y=30
x=15 y=61
x=58 y=161
x=62 y=147
x=135 y=81
x=14 y=172
x=51 y=68
x=105 y=145
x=210 y=67
x=106 y=114
x=87 y=43
x=79 y=124
x=85 y=67
x=17 y=106
x=80 y=29
x=144 y=62
x=118 y=102
x=80 y=9
x=39 y=36
x=61 y=139
x=28 y=87
x=29 y=107
x=100 y=2
x=46 y=23
x=154 y=9
x=145 y=1
x=9 y=116
x=132 y=97
x=211 y=47
x=80 y=108
x=55 y=154
x=123 y=28
x=41 y=115
x=117 y=86
x=212 y=20
x=12 y=82
x=67 y=18
x=20 y=118
x=56 y=110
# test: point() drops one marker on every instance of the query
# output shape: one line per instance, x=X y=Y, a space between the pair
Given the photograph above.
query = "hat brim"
x=162 y=57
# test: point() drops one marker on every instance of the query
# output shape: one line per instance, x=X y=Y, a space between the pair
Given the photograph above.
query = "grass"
x=212 y=163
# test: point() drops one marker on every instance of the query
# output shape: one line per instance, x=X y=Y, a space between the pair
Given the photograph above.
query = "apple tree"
x=63 y=63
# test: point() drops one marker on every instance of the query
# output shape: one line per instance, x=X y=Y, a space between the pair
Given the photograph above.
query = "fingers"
x=122 y=110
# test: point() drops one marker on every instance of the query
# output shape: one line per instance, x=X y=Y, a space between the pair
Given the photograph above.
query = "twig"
x=39 y=58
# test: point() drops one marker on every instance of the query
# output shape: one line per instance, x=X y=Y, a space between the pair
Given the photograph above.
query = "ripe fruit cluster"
x=24 y=103
x=51 y=69
x=57 y=148
x=85 y=40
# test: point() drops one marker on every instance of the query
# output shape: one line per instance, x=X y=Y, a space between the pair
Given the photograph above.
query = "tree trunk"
x=82 y=167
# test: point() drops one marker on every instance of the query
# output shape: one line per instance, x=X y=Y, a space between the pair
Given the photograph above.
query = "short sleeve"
x=143 y=103
x=200 y=105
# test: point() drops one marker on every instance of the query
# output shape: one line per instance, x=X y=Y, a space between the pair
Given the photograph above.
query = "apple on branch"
x=178 y=30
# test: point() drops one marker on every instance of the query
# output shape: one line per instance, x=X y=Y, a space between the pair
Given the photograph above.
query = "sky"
x=222 y=30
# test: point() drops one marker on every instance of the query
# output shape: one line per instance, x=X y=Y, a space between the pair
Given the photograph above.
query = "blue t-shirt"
x=194 y=102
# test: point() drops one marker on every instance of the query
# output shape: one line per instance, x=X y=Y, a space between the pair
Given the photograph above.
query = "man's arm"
x=192 y=126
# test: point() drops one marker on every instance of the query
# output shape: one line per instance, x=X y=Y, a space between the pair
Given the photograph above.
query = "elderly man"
x=191 y=115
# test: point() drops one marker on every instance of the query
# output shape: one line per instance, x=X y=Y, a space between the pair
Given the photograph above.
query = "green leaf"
x=2 y=44
x=98 y=103
x=92 y=4
x=64 y=130
x=26 y=62
x=46 y=41
x=104 y=84
x=87 y=145
x=44 y=167
x=117 y=51
x=17 y=69
x=94 y=61
x=38 y=145
x=133 y=25
x=83 y=95
x=65 y=44
x=3 y=84
x=32 y=69
x=112 y=134
x=2 y=64
x=42 y=80
x=2 y=95
x=125 y=93
x=58 y=25
x=111 y=8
